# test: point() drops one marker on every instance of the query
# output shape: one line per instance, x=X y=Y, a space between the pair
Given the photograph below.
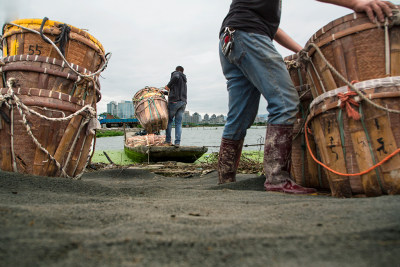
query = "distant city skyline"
x=125 y=110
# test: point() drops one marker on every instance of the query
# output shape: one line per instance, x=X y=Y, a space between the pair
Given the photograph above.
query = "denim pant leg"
x=171 y=115
x=178 y=121
x=259 y=61
x=243 y=104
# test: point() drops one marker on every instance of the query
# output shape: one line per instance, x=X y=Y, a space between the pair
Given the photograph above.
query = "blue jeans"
x=175 y=110
x=254 y=68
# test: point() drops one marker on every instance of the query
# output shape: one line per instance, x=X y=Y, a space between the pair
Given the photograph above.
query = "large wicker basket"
x=151 y=109
x=356 y=48
x=351 y=146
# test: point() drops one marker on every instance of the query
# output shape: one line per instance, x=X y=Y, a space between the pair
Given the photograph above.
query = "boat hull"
x=187 y=154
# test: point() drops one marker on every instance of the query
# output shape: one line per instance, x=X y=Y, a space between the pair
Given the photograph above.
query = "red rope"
x=346 y=101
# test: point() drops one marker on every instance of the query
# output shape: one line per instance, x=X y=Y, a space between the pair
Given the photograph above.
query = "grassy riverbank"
x=108 y=133
x=119 y=157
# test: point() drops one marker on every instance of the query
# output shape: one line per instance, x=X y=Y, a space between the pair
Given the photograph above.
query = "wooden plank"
x=20 y=41
x=340 y=61
x=55 y=133
x=65 y=143
x=313 y=81
x=76 y=153
x=383 y=142
x=5 y=144
x=84 y=155
x=395 y=51
x=325 y=73
x=44 y=138
x=364 y=158
x=327 y=136
x=350 y=56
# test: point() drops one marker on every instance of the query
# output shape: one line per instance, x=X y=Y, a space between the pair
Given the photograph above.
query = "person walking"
x=253 y=67
x=177 y=100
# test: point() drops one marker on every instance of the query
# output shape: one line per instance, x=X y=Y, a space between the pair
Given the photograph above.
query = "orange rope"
x=346 y=174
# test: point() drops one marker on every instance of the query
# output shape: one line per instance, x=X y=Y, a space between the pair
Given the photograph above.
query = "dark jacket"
x=178 y=88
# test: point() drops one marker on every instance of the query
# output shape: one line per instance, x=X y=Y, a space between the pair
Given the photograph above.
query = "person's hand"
x=375 y=8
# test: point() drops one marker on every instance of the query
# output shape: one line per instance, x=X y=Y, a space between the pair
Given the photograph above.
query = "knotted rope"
x=45 y=38
x=346 y=101
x=10 y=99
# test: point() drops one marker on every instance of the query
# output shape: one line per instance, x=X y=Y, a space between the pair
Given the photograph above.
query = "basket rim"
x=48 y=25
x=364 y=85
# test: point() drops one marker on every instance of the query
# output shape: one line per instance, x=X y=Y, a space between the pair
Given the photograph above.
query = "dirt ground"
x=132 y=217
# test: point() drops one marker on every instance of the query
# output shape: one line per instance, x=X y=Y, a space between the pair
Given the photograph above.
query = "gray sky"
x=149 y=38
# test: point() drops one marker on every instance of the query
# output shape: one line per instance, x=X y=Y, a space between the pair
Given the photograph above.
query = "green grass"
x=119 y=157
x=253 y=155
x=109 y=133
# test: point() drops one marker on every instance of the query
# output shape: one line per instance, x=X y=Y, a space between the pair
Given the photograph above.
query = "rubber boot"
x=228 y=160
x=277 y=152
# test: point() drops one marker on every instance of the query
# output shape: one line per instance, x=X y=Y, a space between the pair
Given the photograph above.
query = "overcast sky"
x=149 y=38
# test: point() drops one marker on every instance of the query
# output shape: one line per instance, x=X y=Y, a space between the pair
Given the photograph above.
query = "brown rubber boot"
x=228 y=160
x=277 y=150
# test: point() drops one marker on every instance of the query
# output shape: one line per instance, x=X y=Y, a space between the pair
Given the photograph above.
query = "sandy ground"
x=136 y=218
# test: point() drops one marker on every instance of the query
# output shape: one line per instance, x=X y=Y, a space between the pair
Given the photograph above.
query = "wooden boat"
x=187 y=154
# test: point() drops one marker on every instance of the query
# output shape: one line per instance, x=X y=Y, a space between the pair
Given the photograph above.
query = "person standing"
x=253 y=67
x=177 y=100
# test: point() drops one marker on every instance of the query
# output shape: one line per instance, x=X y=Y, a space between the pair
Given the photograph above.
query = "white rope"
x=62 y=56
x=11 y=97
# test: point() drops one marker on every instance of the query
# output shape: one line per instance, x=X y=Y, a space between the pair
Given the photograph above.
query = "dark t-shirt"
x=257 y=16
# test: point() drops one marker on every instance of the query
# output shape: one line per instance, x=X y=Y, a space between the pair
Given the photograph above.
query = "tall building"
x=220 y=119
x=213 y=119
x=125 y=110
x=112 y=108
x=186 y=117
x=206 y=118
x=196 y=118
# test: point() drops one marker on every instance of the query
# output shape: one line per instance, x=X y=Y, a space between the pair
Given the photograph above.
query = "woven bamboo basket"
x=151 y=109
x=356 y=48
x=296 y=70
x=303 y=169
x=81 y=48
x=67 y=141
x=351 y=146
x=49 y=73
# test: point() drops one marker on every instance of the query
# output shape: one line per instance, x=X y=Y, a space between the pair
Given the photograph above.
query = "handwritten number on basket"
x=331 y=146
x=377 y=124
x=35 y=50
x=382 y=147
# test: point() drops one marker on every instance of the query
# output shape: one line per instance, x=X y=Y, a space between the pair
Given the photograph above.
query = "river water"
x=196 y=136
